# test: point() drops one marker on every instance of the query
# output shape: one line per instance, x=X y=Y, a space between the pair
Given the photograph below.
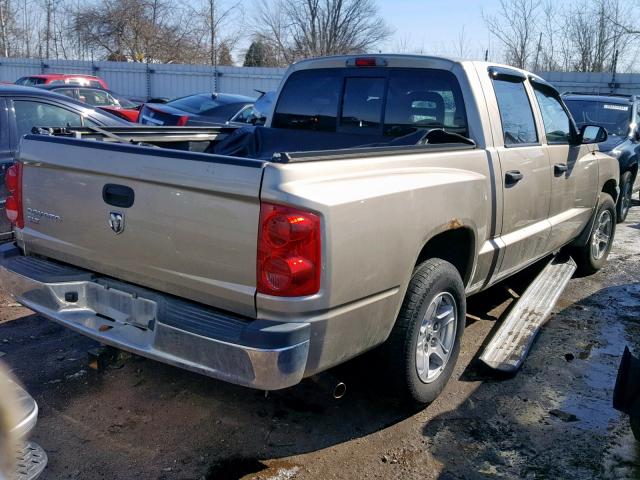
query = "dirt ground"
x=553 y=420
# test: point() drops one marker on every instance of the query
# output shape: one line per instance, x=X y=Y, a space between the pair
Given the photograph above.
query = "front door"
x=526 y=177
x=575 y=170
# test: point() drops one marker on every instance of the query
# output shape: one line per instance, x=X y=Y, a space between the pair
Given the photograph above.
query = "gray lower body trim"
x=253 y=353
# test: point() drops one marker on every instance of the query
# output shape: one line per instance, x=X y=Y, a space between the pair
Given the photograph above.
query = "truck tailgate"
x=191 y=230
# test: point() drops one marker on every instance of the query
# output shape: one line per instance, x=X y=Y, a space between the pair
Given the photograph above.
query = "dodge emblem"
x=116 y=222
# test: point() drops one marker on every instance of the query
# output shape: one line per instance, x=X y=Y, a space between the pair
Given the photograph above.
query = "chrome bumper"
x=254 y=353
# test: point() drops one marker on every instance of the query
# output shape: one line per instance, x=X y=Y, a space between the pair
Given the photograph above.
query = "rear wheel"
x=425 y=342
x=626 y=192
x=592 y=257
x=635 y=427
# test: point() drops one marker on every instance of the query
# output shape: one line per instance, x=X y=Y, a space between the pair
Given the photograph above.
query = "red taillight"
x=289 y=253
x=182 y=120
x=13 y=205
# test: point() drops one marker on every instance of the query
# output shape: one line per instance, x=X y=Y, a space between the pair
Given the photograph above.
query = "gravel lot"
x=144 y=420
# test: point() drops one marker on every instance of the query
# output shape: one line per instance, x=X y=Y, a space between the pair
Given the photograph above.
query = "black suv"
x=619 y=115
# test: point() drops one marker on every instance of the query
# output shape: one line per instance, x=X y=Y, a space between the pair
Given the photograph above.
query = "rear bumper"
x=254 y=353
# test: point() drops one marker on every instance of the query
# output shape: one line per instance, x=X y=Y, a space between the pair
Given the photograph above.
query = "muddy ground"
x=553 y=420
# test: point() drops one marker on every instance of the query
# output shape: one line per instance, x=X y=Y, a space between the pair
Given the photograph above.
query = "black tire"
x=635 y=427
x=626 y=193
x=431 y=279
x=587 y=262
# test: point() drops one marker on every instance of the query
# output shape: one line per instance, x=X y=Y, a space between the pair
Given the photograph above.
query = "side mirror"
x=592 y=134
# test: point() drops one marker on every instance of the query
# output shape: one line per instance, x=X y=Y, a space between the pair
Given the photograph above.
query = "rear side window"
x=518 y=125
x=309 y=100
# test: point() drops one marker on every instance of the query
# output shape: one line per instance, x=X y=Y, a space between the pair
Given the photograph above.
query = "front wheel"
x=592 y=257
x=424 y=344
x=626 y=193
x=635 y=427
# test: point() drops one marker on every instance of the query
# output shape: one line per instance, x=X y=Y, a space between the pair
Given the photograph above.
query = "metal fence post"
x=148 y=80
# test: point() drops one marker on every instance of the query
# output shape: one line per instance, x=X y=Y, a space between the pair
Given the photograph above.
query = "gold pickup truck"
x=382 y=191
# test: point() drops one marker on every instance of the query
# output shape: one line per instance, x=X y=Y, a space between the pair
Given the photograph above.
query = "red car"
x=62 y=79
x=106 y=100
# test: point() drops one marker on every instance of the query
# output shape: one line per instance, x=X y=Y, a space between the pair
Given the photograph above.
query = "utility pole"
x=3 y=30
x=535 y=69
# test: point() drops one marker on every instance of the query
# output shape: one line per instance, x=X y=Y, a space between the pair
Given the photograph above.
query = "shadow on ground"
x=555 y=419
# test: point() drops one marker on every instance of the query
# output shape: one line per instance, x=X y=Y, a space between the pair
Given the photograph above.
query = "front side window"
x=30 y=114
x=518 y=124
x=557 y=125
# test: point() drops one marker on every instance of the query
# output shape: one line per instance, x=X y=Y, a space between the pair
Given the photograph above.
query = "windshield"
x=613 y=117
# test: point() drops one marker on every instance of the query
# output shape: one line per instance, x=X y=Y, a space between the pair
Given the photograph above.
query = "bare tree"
x=594 y=34
x=138 y=30
x=312 y=28
x=515 y=26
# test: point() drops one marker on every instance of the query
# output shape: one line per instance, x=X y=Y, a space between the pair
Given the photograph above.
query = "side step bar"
x=509 y=346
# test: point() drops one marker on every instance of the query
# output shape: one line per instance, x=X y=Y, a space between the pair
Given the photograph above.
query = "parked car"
x=106 y=100
x=62 y=79
x=19 y=459
x=626 y=393
x=381 y=193
x=199 y=109
x=620 y=116
x=21 y=109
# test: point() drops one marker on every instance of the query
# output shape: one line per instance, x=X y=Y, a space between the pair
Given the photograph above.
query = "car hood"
x=610 y=143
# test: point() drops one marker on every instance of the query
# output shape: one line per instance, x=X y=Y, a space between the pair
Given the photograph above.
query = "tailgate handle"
x=118 y=195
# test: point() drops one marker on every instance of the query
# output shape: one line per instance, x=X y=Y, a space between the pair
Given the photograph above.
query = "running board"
x=509 y=346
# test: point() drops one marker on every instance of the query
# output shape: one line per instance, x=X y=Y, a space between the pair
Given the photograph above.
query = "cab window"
x=30 y=114
x=557 y=125
x=518 y=124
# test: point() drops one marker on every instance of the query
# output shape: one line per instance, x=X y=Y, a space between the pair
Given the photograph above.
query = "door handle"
x=559 y=169
x=118 y=195
x=512 y=177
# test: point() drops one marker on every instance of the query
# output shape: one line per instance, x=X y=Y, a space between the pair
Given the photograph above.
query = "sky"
x=435 y=27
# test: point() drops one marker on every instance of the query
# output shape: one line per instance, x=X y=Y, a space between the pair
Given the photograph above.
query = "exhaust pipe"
x=331 y=384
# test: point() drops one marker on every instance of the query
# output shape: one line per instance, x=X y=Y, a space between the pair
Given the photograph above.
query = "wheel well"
x=610 y=188
x=454 y=246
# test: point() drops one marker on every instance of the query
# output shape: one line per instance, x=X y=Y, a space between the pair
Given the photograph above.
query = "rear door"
x=574 y=170
x=526 y=174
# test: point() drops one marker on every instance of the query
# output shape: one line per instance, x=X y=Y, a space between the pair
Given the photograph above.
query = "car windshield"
x=125 y=102
x=202 y=104
x=613 y=117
